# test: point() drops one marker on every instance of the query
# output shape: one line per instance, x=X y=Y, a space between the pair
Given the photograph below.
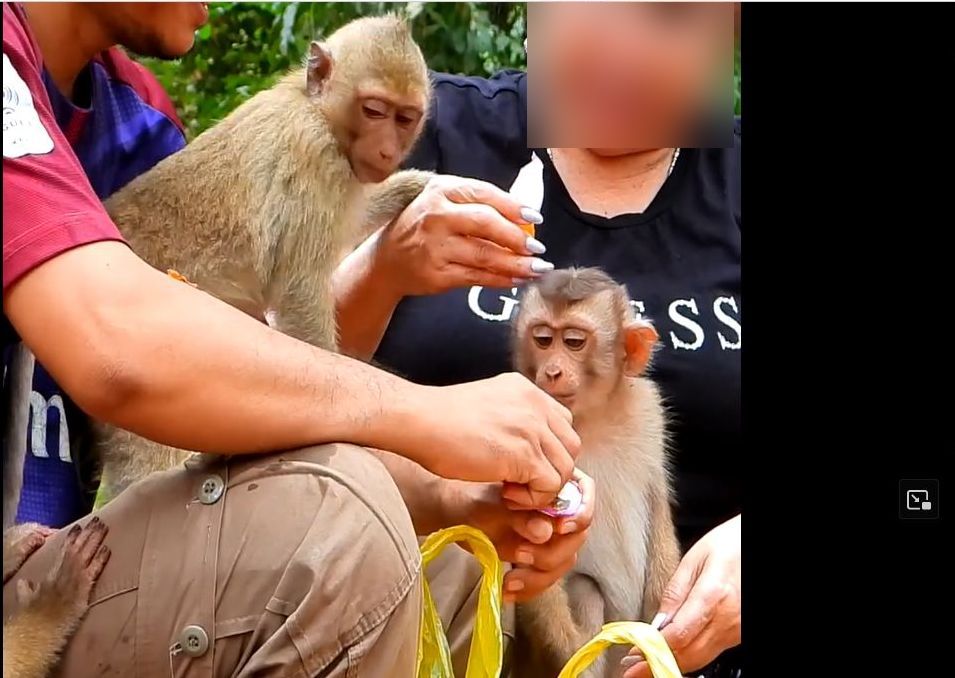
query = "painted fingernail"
x=658 y=620
x=541 y=266
x=525 y=557
x=535 y=246
x=532 y=216
x=568 y=527
x=515 y=585
x=630 y=660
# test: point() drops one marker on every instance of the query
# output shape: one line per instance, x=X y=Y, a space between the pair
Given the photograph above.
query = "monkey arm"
x=139 y=350
x=365 y=298
x=31 y=644
x=664 y=552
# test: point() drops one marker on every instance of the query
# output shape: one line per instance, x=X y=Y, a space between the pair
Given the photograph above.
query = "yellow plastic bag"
x=648 y=639
x=486 y=658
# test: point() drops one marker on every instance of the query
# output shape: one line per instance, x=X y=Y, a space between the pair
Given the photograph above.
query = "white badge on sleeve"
x=23 y=132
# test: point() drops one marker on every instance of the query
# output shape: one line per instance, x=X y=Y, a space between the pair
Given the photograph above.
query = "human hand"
x=701 y=603
x=458 y=233
x=542 y=549
x=502 y=429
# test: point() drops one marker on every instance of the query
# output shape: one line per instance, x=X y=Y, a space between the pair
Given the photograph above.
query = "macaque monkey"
x=260 y=209
x=576 y=336
x=49 y=611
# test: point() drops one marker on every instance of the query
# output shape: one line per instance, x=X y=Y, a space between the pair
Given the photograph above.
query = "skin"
x=409 y=257
x=542 y=549
x=97 y=316
x=701 y=603
x=617 y=74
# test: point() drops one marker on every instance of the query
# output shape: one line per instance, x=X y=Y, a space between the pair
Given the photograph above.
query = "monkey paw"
x=79 y=565
x=19 y=542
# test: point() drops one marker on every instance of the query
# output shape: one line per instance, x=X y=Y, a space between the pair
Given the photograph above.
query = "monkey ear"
x=639 y=339
x=318 y=69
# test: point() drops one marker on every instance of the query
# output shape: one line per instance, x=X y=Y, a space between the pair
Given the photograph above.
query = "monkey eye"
x=575 y=339
x=375 y=109
x=543 y=336
x=406 y=119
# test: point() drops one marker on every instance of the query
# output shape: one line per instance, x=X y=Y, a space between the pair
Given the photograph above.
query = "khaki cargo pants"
x=296 y=564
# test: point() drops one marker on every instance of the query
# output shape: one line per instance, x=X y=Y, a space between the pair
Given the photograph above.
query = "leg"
x=664 y=554
x=304 y=564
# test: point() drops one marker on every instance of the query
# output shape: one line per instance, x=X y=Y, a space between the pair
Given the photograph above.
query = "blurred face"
x=165 y=30
x=634 y=75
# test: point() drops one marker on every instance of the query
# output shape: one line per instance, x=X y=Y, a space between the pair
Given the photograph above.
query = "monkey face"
x=385 y=128
x=560 y=360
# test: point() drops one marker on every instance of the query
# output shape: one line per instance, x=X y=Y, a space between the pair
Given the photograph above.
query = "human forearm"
x=150 y=354
x=433 y=502
x=365 y=298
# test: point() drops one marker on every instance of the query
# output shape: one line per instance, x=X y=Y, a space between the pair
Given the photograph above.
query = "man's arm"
x=153 y=355
x=140 y=350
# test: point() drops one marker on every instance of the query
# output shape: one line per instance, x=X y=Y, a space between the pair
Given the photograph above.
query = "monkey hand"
x=459 y=232
x=542 y=549
x=70 y=581
x=701 y=603
x=502 y=429
x=19 y=542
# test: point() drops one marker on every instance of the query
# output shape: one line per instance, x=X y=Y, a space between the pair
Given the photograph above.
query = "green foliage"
x=245 y=46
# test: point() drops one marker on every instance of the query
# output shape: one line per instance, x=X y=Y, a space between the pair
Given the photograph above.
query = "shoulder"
x=19 y=48
x=477 y=126
x=123 y=70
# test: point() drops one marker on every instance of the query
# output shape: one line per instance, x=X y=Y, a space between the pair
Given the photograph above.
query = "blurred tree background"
x=245 y=46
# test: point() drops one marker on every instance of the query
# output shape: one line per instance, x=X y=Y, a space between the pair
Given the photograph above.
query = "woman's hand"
x=457 y=233
x=701 y=603
x=541 y=548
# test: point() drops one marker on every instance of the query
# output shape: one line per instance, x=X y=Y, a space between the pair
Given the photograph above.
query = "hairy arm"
x=142 y=351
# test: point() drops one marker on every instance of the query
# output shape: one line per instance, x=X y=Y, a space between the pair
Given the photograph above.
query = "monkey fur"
x=261 y=208
x=576 y=336
x=49 y=612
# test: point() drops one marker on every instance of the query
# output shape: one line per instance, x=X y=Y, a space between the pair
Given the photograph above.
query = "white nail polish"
x=658 y=620
x=531 y=216
x=535 y=246
x=541 y=266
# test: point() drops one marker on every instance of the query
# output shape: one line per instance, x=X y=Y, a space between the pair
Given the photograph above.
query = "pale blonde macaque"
x=50 y=610
x=260 y=209
x=630 y=74
x=577 y=338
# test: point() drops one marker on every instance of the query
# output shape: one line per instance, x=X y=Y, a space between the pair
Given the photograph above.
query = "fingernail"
x=531 y=216
x=515 y=585
x=630 y=660
x=519 y=281
x=568 y=527
x=535 y=246
x=658 y=620
x=525 y=557
x=541 y=266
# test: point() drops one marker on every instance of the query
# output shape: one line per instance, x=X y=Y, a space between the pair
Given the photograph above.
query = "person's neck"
x=69 y=36
x=612 y=185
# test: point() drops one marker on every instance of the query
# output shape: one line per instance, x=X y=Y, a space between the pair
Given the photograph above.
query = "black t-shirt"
x=680 y=261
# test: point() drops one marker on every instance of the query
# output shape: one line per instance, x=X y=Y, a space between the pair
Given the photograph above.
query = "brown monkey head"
x=577 y=338
x=371 y=82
